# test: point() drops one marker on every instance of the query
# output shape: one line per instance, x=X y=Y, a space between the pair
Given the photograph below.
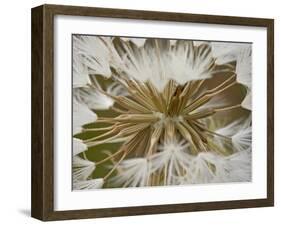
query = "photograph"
x=140 y=112
x=160 y=112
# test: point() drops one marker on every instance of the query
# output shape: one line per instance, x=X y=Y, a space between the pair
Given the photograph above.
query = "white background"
x=15 y=112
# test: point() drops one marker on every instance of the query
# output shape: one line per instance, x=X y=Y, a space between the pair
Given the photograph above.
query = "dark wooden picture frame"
x=43 y=107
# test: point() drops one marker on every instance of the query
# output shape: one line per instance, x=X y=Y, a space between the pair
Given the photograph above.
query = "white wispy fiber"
x=82 y=168
x=88 y=184
x=204 y=168
x=239 y=167
x=132 y=173
x=81 y=115
x=95 y=99
x=231 y=128
x=198 y=43
x=158 y=61
x=172 y=158
x=78 y=146
x=244 y=74
x=244 y=67
x=242 y=139
x=240 y=132
x=95 y=53
x=226 y=52
x=181 y=168
x=80 y=71
x=208 y=167
x=138 y=41
x=247 y=102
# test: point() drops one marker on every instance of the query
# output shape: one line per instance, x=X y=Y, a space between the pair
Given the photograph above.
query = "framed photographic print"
x=141 y=112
